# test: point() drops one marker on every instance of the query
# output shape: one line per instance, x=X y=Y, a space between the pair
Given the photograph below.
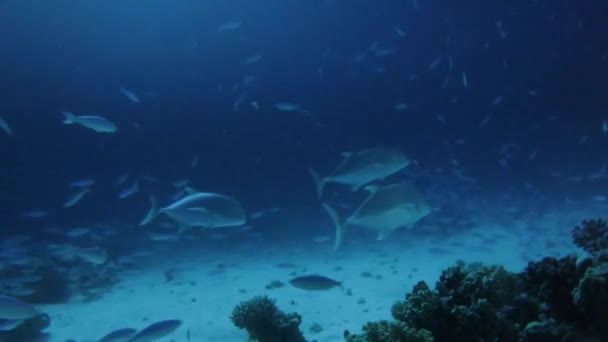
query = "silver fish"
x=75 y=198
x=130 y=95
x=229 y=26
x=385 y=209
x=5 y=127
x=96 y=123
x=291 y=107
x=362 y=167
x=151 y=212
x=205 y=209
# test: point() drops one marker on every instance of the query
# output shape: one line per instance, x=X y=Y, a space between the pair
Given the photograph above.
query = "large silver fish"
x=362 y=167
x=385 y=209
x=206 y=209
x=96 y=123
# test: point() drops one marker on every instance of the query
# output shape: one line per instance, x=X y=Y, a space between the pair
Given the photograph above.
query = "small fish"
x=291 y=107
x=75 y=198
x=12 y=308
x=96 y=123
x=465 y=82
x=434 y=63
x=156 y=330
x=399 y=31
x=82 y=183
x=314 y=283
x=5 y=127
x=151 y=212
x=119 y=335
x=253 y=59
x=194 y=161
x=33 y=214
x=77 y=232
x=229 y=26
x=401 y=106
x=130 y=95
x=130 y=190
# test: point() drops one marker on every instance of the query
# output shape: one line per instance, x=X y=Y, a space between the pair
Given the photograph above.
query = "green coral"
x=385 y=331
x=265 y=322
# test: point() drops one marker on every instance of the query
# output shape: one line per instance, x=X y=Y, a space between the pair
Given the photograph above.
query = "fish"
x=206 y=209
x=253 y=59
x=383 y=211
x=291 y=107
x=77 y=232
x=75 y=198
x=33 y=214
x=150 y=214
x=229 y=26
x=314 y=282
x=362 y=167
x=96 y=123
x=130 y=95
x=119 y=335
x=156 y=330
x=12 y=308
x=5 y=127
x=82 y=183
x=130 y=190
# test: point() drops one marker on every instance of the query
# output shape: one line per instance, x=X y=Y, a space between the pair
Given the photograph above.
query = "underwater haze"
x=164 y=161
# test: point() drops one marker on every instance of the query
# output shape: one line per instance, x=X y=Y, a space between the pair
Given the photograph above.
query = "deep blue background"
x=75 y=55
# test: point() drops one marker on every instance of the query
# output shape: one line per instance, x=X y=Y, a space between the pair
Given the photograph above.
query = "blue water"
x=501 y=105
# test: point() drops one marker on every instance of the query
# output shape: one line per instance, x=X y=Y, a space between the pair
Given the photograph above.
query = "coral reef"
x=385 y=331
x=551 y=300
x=592 y=236
x=265 y=322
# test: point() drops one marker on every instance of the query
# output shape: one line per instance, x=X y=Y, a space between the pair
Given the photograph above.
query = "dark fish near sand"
x=314 y=283
x=156 y=330
x=119 y=335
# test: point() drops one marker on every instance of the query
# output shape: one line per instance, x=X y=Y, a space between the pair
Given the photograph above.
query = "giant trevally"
x=385 y=209
x=96 y=123
x=156 y=330
x=362 y=167
x=12 y=308
x=206 y=209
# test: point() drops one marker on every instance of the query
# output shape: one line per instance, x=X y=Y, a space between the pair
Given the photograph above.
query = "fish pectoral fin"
x=318 y=181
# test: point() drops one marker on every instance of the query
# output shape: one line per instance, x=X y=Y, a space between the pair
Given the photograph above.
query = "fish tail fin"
x=318 y=181
x=69 y=118
x=333 y=215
